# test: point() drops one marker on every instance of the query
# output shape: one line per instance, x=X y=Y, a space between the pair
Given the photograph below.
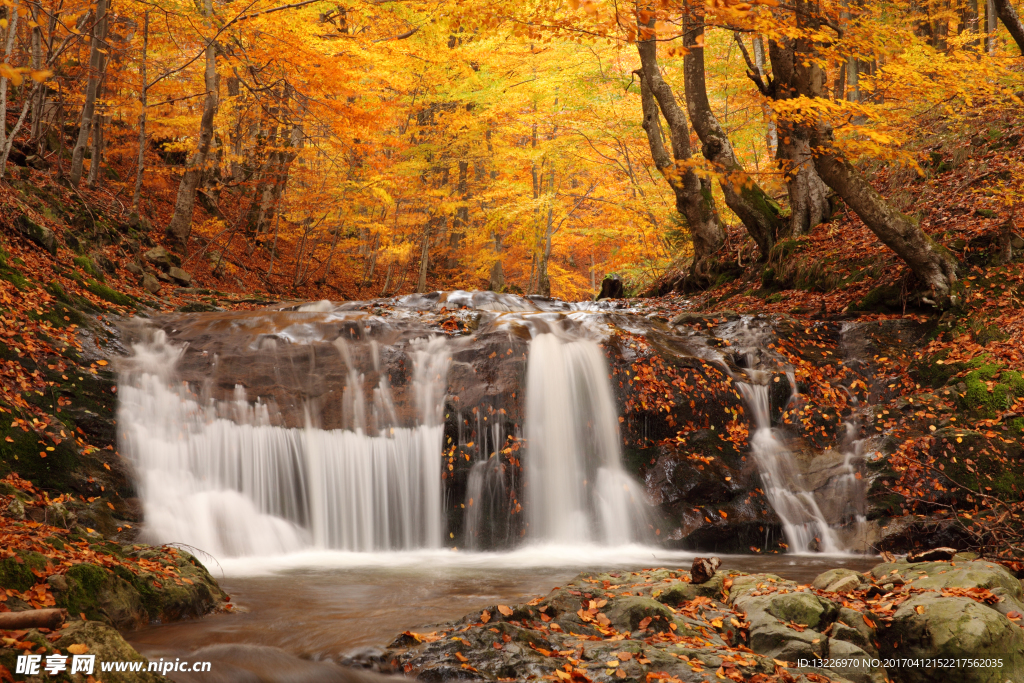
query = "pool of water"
x=328 y=606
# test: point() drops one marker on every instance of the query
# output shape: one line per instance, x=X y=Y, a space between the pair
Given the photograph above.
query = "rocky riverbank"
x=660 y=625
x=48 y=560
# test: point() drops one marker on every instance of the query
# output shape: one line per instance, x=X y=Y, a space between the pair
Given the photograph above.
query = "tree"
x=758 y=212
x=934 y=266
x=97 y=49
x=693 y=198
x=1008 y=15
x=180 y=225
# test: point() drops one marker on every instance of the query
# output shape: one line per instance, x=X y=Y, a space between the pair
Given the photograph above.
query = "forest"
x=377 y=148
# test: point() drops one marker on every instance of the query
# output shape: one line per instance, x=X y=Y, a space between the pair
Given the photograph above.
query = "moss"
x=16 y=573
x=87 y=264
x=928 y=372
x=881 y=298
x=85 y=583
x=990 y=390
x=108 y=294
x=10 y=274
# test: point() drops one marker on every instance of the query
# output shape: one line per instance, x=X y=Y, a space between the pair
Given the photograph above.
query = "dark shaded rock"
x=135 y=269
x=102 y=262
x=703 y=569
x=44 y=237
x=933 y=555
x=161 y=258
x=611 y=288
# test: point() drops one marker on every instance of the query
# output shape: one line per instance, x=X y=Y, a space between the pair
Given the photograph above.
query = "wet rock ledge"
x=657 y=625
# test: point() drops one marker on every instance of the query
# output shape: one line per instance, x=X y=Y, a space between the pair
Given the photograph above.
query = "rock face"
x=741 y=627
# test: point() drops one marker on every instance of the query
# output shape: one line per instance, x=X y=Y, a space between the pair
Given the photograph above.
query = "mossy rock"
x=990 y=390
x=108 y=294
x=884 y=298
x=100 y=595
x=90 y=267
x=108 y=646
x=16 y=572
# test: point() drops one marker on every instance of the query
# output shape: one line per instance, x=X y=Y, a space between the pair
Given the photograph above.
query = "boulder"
x=102 y=262
x=830 y=580
x=180 y=276
x=611 y=287
x=929 y=625
x=44 y=237
x=160 y=257
x=108 y=646
x=151 y=284
x=967 y=574
x=135 y=269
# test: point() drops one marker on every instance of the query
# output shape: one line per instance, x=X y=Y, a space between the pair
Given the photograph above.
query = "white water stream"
x=575 y=483
x=222 y=478
x=802 y=520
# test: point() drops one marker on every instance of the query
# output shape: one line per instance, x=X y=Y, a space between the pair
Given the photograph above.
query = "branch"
x=753 y=73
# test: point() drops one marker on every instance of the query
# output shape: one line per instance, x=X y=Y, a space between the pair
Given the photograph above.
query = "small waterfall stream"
x=802 y=520
x=577 y=489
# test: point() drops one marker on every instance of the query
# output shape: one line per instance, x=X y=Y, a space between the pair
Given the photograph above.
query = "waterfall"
x=576 y=488
x=221 y=476
x=802 y=519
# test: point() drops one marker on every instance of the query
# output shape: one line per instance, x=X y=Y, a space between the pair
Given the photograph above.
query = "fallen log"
x=32 y=618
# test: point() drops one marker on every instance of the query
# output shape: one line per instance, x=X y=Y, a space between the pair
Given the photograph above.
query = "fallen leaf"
x=505 y=609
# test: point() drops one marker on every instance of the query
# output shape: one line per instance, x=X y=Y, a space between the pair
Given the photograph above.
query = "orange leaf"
x=505 y=609
x=485 y=616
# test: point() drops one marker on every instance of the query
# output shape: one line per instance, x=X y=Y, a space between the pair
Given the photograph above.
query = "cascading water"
x=802 y=520
x=575 y=484
x=344 y=437
x=223 y=478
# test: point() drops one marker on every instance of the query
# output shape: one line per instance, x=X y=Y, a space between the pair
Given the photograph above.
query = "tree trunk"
x=694 y=201
x=180 y=226
x=757 y=211
x=991 y=23
x=421 y=284
x=141 y=165
x=39 y=93
x=808 y=195
x=934 y=265
x=7 y=139
x=1008 y=15
x=96 y=161
x=99 y=29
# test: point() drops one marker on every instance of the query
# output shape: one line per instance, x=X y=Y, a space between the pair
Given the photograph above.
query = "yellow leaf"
x=919 y=609
x=78 y=649
x=8 y=71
